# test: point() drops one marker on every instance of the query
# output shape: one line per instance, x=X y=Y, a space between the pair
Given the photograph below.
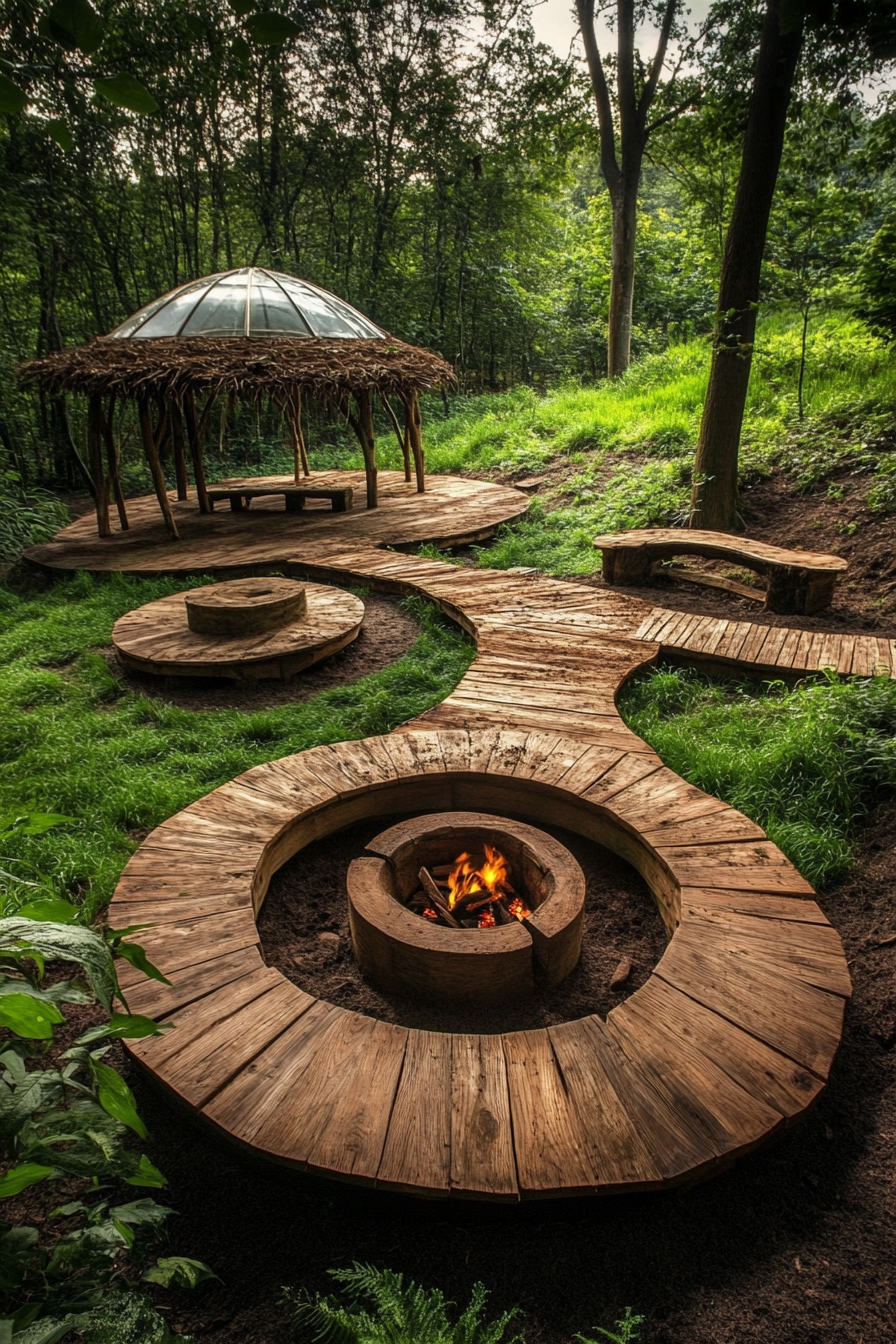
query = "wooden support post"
x=416 y=436
x=95 y=457
x=364 y=430
x=294 y=416
x=177 y=444
x=150 y=447
x=403 y=437
x=194 y=438
x=106 y=426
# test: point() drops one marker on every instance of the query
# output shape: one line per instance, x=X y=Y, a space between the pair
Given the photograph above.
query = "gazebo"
x=244 y=334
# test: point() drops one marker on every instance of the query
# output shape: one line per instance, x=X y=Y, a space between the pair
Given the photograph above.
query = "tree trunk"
x=714 y=498
x=622 y=280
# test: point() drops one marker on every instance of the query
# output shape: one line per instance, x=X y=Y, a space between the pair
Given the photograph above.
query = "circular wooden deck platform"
x=453 y=511
x=155 y=638
x=731 y=1038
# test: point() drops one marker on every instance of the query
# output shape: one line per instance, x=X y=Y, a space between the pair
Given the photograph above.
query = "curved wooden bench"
x=798 y=582
x=731 y=1038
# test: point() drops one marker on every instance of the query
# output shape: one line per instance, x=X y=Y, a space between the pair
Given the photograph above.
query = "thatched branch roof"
x=323 y=367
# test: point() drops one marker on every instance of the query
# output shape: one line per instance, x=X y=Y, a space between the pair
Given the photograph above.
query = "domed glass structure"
x=250 y=301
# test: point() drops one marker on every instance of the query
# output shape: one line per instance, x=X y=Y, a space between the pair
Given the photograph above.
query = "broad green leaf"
x=146 y=1174
x=76 y=25
x=242 y=7
x=63 y=942
x=126 y=91
x=12 y=99
x=52 y=909
x=47 y=1331
x=142 y=1212
x=29 y=1017
x=116 y=1097
x=269 y=30
x=176 y=1271
x=64 y=139
x=32 y=823
x=134 y=953
x=20 y=1177
x=124 y=1026
x=194 y=26
x=241 y=49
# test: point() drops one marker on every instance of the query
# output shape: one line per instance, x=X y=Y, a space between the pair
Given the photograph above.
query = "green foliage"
x=877 y=281
x=627 y=1330
x=28 y=515
x=806 y=764
x=398 y=1313
x=71 y=742
x=127 y=1318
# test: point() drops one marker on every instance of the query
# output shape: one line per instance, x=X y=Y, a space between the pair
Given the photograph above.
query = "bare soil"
x=307 y=898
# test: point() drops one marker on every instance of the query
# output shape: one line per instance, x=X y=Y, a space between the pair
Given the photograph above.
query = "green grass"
x=630 y=443
x=806 y=764
x=73 y=741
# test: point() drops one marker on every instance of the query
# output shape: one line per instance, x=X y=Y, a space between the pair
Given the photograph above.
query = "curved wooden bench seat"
x=798 y=582
x=730 y=1039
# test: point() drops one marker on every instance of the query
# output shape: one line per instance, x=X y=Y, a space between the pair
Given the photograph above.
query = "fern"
x=398 y=1313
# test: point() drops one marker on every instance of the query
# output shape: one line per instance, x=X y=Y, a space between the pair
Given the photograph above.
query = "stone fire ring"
x=285 y=627
x=731 y=1038
x=405 y=954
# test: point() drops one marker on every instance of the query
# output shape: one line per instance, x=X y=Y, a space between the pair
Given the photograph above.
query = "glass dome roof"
x=248 y=302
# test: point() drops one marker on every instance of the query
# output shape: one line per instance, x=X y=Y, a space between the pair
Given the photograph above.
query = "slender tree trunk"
x=714 y=498
x=622 y=280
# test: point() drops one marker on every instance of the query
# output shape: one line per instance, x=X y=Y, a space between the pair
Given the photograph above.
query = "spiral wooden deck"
x=731 y=1038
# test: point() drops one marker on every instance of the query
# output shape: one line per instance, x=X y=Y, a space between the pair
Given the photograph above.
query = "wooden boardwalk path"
x=731 y=1038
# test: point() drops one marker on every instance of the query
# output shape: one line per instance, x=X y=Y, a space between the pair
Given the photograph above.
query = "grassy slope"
x=72 y=741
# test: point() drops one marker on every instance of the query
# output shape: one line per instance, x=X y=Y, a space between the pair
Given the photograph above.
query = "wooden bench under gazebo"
x=244 y=335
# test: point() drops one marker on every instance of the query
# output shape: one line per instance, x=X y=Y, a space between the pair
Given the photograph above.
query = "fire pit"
x=461 y=905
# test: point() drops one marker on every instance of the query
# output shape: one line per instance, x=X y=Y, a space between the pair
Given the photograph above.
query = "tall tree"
x=859 y=32
x=624 y=132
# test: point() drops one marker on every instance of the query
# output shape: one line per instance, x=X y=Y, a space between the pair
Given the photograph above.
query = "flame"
x=491 y=881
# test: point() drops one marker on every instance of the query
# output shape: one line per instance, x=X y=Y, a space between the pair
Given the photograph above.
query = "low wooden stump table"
x=798 y=582
x=294 y=496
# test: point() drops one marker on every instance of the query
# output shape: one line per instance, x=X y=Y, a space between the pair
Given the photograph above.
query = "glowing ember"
x=473 y=892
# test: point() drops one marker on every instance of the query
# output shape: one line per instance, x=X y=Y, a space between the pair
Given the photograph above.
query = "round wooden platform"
x=155 y=638
x=452 y=512
x=731 y=1038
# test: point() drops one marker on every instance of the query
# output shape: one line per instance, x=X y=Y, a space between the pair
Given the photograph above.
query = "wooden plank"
x=482 y=1153
x=765 y=1074
x=192 y=982
x=809 y=952
x=760 y=904
x=720 y=826
x=551 y=1153
x=753 y=866
x=793 y=1018
x=203 y=1066
x=417 y=1152
x=628 y=770
x=672 y=1054
x=186 y=942
x=617 y=1153
x=193 y=1020
x=267 y=1086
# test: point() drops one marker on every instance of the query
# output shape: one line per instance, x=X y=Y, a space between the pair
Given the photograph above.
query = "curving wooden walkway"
x=732 y=1037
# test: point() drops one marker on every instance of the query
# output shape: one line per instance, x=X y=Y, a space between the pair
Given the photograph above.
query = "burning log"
x=436 y=899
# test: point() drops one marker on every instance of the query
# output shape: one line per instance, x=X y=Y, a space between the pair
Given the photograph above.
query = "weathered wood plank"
x=482 y=1154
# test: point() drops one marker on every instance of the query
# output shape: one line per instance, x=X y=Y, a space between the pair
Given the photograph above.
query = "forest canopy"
x=428 y=160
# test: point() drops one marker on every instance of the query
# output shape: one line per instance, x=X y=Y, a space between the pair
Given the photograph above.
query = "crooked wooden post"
x=194 y=438
x=150 y=447
x=415 y=433
x=403 y=436
x=176 y=430
x=106 y=426
x=95 y=457
x=294 y=417
x=364 y=430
